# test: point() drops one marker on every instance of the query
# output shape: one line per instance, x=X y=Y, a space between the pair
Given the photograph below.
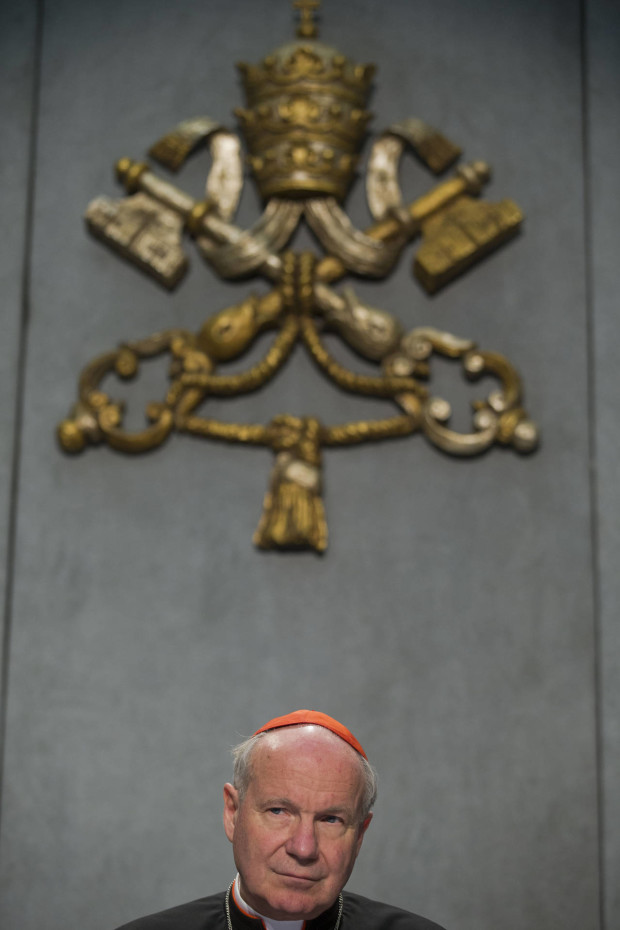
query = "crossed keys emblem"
x=304 y=126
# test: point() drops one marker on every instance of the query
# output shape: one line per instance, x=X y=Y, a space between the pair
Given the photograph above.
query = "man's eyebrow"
x=338 y=809
x=286 y=802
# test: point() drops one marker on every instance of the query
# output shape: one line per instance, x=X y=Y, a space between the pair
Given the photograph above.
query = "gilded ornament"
x=304 y=123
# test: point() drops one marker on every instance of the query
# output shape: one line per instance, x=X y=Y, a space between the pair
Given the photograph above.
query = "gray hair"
x=242 y=772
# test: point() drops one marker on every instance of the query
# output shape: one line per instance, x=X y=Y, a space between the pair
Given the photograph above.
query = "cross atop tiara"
x=307 y=28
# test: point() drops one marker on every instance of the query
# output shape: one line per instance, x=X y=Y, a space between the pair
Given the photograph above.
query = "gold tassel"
x=293 y=513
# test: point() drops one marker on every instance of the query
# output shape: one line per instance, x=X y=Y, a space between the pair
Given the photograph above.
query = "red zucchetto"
x=316 y=718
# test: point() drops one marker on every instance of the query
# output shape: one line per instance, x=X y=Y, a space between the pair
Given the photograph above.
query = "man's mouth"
x=306 y=879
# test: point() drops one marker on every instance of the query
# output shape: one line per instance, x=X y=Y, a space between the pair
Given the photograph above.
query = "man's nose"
x=302 y=843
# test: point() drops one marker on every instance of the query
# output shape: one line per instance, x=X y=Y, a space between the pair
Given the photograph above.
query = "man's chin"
x=298 y=901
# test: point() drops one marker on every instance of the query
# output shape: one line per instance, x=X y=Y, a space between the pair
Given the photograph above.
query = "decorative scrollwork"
x=498 y=418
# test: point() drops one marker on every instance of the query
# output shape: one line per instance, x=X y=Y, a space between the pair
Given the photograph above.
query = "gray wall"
x=462 y=622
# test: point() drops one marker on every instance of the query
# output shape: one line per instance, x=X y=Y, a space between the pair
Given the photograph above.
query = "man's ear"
x=231 y=808
x=363 y=827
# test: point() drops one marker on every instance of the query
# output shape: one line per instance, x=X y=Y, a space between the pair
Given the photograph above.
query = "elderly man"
x=296 y=814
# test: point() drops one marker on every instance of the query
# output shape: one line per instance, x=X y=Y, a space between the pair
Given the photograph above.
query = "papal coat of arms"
x=304 y=125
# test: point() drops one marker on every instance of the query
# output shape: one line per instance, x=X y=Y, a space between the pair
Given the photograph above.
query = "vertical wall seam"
x=18 y=416
x=593 y=490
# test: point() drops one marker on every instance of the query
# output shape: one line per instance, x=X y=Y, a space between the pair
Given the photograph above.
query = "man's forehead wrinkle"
x=273 y=780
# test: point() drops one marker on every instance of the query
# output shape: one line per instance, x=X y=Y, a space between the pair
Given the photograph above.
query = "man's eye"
x=276 y=810
x=332 y=818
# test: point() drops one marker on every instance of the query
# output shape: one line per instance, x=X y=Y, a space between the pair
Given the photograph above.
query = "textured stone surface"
x=17 y=53
x=604 y=121
x=451 y=623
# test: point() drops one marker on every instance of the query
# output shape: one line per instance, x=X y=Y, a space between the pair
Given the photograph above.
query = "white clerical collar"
x=269 y=922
